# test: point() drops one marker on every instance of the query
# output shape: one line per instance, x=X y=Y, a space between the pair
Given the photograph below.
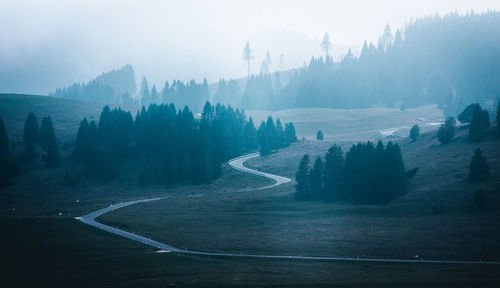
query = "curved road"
x=237 y=163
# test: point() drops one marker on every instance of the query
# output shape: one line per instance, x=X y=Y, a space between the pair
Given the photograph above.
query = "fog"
x=48 y=44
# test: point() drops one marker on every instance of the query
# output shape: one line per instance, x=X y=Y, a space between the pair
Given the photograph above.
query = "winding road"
x=237 y=163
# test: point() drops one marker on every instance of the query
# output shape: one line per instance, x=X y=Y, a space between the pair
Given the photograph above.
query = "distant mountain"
x=117 y=86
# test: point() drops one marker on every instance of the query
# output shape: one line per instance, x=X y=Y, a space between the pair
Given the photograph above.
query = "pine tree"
x=30 y=137
x=479 y=168
x=290 y=134
x=263 y=139
x=319 y=135
x=414 y=132
x=250 y=135
x=479 y=124
x=303 y=188
x=49 y=143
x=280 y=133
x=447 y=131
x=334 y=166
x=316 y=179
x=83 y=144
x=466 y=115
x=5 y=175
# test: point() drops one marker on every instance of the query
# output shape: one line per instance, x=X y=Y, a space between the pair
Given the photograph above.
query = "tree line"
x=272 y=136
x=171 y=145
x=367 y=173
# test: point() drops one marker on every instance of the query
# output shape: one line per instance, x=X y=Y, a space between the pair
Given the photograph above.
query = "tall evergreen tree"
x=334 y=166
x=49 y=143
x=479 y=168
x=250 y=135
x=319 y=135
x=30 y=136
x=466 y=115
x=316 y=179
x=414 y=132
x=5 y=175
x=303 y=187
x=479 y=124
x=290 y=136
x=447 y=131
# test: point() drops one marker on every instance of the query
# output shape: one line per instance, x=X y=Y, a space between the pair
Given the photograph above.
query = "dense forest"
x=117 y=86
x=451 y=61
x=172 y=145
x=366 y=174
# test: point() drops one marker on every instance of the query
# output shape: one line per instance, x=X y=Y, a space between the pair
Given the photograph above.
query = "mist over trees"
x=435 y=61
x=116 y=86
x=368 y=174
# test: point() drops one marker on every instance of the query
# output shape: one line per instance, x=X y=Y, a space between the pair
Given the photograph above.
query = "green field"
x=43 y=245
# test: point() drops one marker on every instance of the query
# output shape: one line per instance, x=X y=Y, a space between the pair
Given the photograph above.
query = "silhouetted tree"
x=319 y=135
x=447 y=131
x=479 y=168
x=30 y=137
x=49 y=143
x=316 y=179
x=247 y=56
x=414 y=132
x=466 y=115
x=303 y=187
x=326 y=44
x=334 y=166
x=290 y=136
x=479 y=124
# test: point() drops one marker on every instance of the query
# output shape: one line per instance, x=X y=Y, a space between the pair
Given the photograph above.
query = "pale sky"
x=54 y=43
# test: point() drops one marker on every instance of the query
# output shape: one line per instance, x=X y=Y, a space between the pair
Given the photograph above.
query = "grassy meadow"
x=44 y=245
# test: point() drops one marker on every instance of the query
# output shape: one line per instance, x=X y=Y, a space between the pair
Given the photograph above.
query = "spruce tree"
x=316 y=179
x=466 y=115
x=5 y=175
x=479 y=168
x=414 y=132
x=479 y=124
x=49 y=143
x=290 y=136
x=447 y=130
x=280 y=133
x=334 y=166
x=319 y=135
x=30 y=136
x=302 y=186
x=83 y=142
x=250 y=135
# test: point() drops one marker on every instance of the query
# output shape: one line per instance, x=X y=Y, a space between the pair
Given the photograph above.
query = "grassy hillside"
x=435 y=220
x=357 y=124
x=66 y=114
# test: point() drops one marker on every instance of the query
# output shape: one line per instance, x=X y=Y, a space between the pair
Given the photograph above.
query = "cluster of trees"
x=191 y=94
x=272 y=136
x=447 y=130
x=9 y=166
x=116 y=86
x=171 y=145
x=43 y=136
x=228 y=93
x=367 y=174
x=479 y=123
x=413 y=68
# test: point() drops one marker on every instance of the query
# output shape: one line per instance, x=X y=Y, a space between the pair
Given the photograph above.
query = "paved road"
x=237 y=163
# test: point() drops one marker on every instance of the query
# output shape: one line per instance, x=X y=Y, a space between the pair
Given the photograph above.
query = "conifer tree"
x=334 y=166
x=316 y=179
x=303 y=188
x=447 y=131
x=250 y=135
x=319 y=135
x=479 y=124
x=466 y=115
x=5 y=175
x=30 y=136
x=479 y=168
x=263 y=139
x=414 y=132
x=290 y=136
x=49 y=143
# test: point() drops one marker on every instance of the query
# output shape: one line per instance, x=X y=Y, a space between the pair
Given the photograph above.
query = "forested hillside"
x=451 y=61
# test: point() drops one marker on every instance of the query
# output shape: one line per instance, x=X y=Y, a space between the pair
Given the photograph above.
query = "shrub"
x=319 y=136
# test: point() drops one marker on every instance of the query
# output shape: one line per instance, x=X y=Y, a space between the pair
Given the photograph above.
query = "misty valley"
x=367 y=165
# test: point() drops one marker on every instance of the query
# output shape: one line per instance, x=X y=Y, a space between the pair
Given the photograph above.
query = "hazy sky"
x=46 y=44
